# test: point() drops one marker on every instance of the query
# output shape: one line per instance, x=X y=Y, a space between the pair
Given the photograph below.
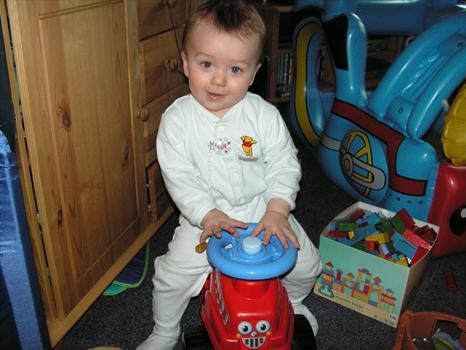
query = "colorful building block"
x=380 y=238
x=371 y=219
x=384 y=250
x=420 y=253
x=337 y=234
x=366 y=231
x=405 y=218
x=397 y=224
x=357 y=214
x=384 y=226
x=371 y=245
x=450 y=281
x=403 y=245
x=426 y=233
x=415 y=239
x=347 y=226
x=402 y=261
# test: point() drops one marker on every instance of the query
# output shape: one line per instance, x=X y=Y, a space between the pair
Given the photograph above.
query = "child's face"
x=220 y=66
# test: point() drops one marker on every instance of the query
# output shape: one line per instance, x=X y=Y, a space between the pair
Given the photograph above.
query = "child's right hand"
x=215 y=221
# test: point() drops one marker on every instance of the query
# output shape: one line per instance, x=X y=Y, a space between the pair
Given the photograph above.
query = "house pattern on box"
x=364 y=287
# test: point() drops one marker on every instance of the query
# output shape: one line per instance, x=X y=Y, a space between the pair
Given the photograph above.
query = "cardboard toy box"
x=368 y=284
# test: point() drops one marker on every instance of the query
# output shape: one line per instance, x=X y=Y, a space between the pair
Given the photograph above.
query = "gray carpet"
x=126 y=320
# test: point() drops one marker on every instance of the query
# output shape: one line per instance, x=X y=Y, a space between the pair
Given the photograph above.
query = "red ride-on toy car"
x=243 y=304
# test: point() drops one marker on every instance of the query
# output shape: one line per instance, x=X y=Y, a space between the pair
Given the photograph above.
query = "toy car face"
x=448 y=210
x=253 y=337
x=241 y=314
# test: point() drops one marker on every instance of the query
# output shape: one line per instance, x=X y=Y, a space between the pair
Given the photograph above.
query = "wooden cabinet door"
x=76 y=63
x=156 y=16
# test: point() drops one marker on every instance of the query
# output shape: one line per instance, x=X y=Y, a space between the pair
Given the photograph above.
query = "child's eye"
x=236 y=70
x=206 y=64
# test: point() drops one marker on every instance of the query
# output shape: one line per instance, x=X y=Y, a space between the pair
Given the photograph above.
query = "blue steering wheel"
x=245 y=257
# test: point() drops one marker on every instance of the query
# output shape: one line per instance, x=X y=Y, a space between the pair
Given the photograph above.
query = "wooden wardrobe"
x=90 y=80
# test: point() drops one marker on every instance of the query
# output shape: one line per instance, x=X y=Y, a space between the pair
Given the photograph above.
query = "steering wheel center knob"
x=251 y=245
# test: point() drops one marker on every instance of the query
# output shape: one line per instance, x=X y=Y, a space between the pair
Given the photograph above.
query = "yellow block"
x=380 y=238
x=402 y=261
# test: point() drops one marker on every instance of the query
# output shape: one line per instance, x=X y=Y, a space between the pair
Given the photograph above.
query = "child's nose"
x=219 y=78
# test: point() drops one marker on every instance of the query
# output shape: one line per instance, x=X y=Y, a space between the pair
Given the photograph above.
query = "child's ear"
x=184 y=58
x=255 y=72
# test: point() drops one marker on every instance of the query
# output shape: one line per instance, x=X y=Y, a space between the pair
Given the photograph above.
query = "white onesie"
x=236 y=164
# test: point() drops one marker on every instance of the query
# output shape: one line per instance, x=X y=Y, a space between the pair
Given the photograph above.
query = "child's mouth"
x=214 y=96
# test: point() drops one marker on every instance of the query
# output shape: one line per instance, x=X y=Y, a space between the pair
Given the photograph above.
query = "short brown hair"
x=231 y=16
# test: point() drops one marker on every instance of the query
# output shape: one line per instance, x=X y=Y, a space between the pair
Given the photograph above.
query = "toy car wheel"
x=197 y=339
x=303 y=336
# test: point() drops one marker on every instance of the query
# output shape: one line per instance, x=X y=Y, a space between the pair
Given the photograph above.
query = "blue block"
x=371 y=218
x=366 y=231
x=384 y=249
x=402 y=245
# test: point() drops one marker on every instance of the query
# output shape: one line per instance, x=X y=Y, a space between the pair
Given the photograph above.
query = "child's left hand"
x=217 y=221
x=276 y=223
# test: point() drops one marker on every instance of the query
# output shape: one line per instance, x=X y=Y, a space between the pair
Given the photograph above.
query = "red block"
x=420 y=252
x=357 y=214
x=337 y=234
x=451 y=282
x=426 y=233
x=415 y=239
x=406 y=218
x=371 y=245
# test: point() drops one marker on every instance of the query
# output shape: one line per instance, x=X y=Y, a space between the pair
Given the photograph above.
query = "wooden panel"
x=24 y=169
x=160 y=201
x=58 y=328
x=76 y=94
x=151 y=126
x=51 y=7
x=161 y=66
x=156 y=16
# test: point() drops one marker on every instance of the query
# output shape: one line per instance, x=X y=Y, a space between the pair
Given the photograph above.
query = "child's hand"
x=276 y=223
x=215 y=221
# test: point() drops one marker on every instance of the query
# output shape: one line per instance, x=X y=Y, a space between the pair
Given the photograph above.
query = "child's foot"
x=155 y=342
x=301 y=309
x=303 y=335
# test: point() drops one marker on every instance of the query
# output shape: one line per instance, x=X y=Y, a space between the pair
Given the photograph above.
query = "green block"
x=398 y=224
x=347 y=226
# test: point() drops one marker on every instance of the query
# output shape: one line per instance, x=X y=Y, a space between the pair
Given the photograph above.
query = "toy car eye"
x=458 y=221
x=262 y=326
x=245 y=327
